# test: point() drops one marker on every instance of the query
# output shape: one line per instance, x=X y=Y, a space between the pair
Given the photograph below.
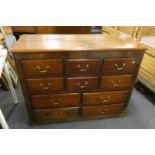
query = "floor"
x=140 y=115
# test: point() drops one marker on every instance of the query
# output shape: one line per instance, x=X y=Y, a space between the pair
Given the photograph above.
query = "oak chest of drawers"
x=73 y=77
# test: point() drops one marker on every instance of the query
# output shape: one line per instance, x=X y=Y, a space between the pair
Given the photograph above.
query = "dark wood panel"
x=82 y=67
x=123 y=82
x=45 y=85
x=57 y=114
x=82 y=84
x=52 y=29
x=42 y=67
x=42 y=55
x=113 y=109
x=55 y=100
x=105 y=97
x=118 y=66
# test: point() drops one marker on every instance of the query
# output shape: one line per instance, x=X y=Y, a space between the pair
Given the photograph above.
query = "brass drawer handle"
x=133 y=62
x=120 y=67
x=102 y=112
x=82 y=86
x=105 y=100
x=45 y=87
x=56 y=102
x=116 y=83
x=43 y=71
x=83 y=69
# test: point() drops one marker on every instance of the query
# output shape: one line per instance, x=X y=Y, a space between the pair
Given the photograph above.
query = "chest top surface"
x=84 y=42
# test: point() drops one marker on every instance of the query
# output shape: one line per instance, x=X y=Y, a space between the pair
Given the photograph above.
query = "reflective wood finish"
x=55 y=101
x=99 y=98
x=122 y=82
x=82 y=67
x=42 y=67
x=118 y=66
x=56 y=114
x=82 y=84
x=45 y=85
x=83 y=42
x=89 y=76
x=111 y=110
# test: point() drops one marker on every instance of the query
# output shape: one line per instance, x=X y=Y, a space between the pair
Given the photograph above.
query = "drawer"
x=42 y=67
x=123 y=82
x=105 y=97
x=57 y=114
x=45 y=85
x=55 y=101
x=82 y=67
x=118 y=66
x=109 y=110
x=82 y=84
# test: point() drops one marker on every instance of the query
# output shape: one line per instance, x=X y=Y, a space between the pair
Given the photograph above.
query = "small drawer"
x=105 y=110
x=117 y=66
x=123 y=82
x=82 y=84
x=42 y=67
x=45 y=85
x=82 y=67
x=55 y=101
x=105 y=97
x=56 y=114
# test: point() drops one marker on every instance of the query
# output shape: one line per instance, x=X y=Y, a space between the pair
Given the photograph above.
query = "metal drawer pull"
x=120 y=67
x=43 y=71
x=105 y=100
x=56 y=102
x=133 y=62
x=82 y=86
x=102 y=112
x=45 y=87
x=116 y=83
x=84 y=69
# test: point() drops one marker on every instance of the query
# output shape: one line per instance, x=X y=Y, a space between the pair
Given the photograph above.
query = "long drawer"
x=42 y=67
x=45 y=85
x=118 y=66
x=57 y=114
x=107 y=110
x=99 y=98
x=55 y=100
x=110 y=83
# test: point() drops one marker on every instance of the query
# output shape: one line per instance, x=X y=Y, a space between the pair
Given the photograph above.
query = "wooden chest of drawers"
x=73 y=77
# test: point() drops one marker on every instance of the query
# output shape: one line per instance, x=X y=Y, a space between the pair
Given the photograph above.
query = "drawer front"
x=109 y=110
x=123 y=82
x=55 y=101
x=105 y=97
x=118 y=66
x=83 y=67
x=56 y=114
x=45 y=85
x=82 y=84
x=42 y=67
